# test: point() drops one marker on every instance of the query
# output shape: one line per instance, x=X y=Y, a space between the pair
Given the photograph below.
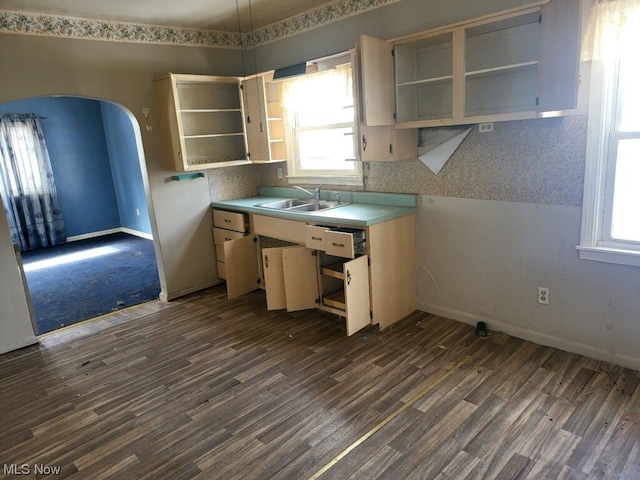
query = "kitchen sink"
x=285 y=204
x=316 y=206
x=301 y=205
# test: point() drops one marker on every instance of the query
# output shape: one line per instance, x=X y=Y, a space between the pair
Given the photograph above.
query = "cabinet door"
x=387 y=144
x=290 y=277
x=255 y=109
x=273 y=271
x=356 y=294
x=375 y=143
x=378 y=85
x=559 y=55
x=300 y=278
x=392 y=251
x=241 y=266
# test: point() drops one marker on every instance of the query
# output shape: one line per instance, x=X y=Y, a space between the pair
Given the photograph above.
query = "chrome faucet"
x=316 y=195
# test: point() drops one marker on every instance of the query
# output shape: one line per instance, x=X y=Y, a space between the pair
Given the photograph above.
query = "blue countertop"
x=362 y=209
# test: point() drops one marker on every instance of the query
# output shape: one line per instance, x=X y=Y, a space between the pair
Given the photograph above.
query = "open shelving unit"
x=201 y=118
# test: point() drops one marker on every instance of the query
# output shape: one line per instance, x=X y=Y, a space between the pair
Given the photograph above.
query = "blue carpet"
x=121 y=272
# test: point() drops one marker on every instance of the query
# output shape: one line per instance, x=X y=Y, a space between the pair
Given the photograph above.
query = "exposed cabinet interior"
x=501 y=66
x=515 y=64
x=201 y=120
x=424 y=78
x=264 y=120
x=275 y=120
x=345 y=290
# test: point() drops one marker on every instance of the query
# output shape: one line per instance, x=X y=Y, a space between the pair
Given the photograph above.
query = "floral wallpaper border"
x=84 y=28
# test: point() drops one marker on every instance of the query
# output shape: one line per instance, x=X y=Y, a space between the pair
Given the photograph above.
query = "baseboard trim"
x=85 y=236
x=168 y=296
x=24 y=342
x=533 y=336
x=137 y=233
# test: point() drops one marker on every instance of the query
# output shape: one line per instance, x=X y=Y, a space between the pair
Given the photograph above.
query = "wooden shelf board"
x=335 y=300
x=210 y=110
x=335 y=271
x=502 y=69
x=204 y=166
x=444 y=79
x=213 y=135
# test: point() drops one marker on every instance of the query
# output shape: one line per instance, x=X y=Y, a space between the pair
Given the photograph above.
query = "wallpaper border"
x=90 y=29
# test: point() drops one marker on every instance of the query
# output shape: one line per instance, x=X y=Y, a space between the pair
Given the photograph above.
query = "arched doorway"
x=100 y=171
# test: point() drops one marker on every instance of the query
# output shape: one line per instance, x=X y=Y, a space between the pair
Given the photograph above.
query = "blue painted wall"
x=93 y=188
x=125 y=169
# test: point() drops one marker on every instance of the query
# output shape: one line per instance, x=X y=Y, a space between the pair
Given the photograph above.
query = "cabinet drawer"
x=279 y=228
x=341 y=243
x=230 y=220
x=220 y=235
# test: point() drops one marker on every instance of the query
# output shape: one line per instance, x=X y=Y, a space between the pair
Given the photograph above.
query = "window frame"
x=600 y=163
x=296 y=174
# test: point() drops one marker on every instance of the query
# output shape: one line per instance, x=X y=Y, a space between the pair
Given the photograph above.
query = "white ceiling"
x=220 y=15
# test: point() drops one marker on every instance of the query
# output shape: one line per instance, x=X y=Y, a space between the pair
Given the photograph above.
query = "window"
x=611 y=204
x=320 y=123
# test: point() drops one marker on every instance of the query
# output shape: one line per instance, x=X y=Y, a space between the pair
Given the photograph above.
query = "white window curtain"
x=613 y=29
x=27 y=186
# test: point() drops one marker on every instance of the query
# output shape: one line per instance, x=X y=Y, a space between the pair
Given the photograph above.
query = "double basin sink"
x=301 y=205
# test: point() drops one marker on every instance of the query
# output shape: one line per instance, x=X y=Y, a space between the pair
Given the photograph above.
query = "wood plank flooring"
x=206 y=388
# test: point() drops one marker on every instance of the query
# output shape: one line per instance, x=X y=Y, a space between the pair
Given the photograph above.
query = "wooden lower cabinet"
x=365 y=274
x=294 y=280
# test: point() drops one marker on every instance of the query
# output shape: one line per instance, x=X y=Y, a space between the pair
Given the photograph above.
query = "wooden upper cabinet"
x=209 y=122
x=201 y=121
x=511 y=65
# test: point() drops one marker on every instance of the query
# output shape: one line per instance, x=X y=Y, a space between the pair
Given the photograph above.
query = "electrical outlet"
x=280 y=173
x=485 y=127
x=543 y=295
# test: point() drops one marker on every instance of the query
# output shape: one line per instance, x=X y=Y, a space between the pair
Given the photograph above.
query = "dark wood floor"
x=205 y=388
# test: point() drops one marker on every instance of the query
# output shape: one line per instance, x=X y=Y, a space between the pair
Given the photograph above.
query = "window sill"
x=321 y=180
x=618 y=256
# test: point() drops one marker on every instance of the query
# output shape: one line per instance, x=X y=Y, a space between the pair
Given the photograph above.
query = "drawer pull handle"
x=341 y=245
x=319 y=239
x=266 y=261
x=227 y=239
x=227 y=220
x=348 y=277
